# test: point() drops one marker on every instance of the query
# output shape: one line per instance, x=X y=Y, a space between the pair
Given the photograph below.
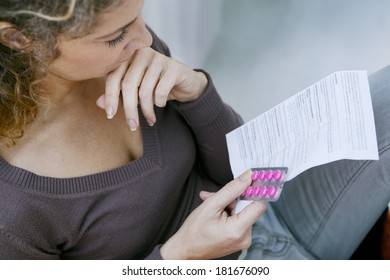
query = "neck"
x=64 y=94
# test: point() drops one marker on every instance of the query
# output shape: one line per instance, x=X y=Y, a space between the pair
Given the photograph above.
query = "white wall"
x=190 y=27
x=260 y=52
x=268 y=50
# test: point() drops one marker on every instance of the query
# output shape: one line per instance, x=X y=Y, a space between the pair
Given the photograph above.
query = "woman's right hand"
x=210 y=231
x=149 y=78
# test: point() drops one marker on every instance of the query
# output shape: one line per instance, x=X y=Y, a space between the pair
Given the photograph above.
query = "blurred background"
x=260 y=52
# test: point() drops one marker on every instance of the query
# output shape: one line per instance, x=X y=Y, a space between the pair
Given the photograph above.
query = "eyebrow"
x=119 y=29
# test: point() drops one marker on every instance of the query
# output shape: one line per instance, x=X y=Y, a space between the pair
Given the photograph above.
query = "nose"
x=144 y=38
x=147 y=37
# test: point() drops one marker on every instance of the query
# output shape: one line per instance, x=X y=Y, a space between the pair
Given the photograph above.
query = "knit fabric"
x=127 y=212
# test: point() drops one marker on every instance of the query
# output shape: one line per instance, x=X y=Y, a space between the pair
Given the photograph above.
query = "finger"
x=130 y=84
x=146 y=93
x=247 y=239
x=113 y=89
x=205 y=195
x=164 y=87
x=231 y=207
x=232 y=190
x=250 y=214
x=100 y=102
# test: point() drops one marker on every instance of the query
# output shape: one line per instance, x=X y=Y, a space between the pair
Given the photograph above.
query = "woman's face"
x=118 y=34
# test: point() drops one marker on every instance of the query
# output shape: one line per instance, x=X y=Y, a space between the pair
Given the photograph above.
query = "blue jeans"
x=325 y=212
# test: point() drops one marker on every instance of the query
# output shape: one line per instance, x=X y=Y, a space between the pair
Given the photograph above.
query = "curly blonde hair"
x=22 y=71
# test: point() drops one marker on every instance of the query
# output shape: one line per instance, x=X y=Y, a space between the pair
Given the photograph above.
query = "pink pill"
x=254 y=175
x=271 y=191
x=261 y=175
x=277 y=175
x=249 y=191
x=256 y=191
x=263 y=191
x=268 y=175
x=244 y=193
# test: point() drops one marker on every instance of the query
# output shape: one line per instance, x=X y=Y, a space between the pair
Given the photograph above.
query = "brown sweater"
x=125 y=213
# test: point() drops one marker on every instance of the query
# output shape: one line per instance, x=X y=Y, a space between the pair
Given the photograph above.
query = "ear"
x=12 y=37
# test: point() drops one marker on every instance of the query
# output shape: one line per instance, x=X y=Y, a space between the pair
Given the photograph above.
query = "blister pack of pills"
x=267 y=184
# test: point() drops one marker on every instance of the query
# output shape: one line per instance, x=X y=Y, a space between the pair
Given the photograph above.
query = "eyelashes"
x=113 y=43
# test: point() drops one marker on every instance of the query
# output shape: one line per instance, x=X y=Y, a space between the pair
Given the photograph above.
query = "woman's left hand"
x=149 y=78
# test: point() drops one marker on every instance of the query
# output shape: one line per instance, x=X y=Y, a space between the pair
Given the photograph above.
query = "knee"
x=380 y=94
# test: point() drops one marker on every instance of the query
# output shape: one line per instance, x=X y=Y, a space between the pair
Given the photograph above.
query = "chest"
x=124 y=212
x=76 y=147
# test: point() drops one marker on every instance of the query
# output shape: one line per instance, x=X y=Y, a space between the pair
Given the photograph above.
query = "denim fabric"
x=325 y=212
x=271 y=240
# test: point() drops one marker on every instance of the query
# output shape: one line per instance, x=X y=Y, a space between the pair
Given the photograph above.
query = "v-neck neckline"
x=131 y=171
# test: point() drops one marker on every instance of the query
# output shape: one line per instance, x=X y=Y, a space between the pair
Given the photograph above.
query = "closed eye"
x=113 y=43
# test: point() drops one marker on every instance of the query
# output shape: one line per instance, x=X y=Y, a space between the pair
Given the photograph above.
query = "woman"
x=79 y=182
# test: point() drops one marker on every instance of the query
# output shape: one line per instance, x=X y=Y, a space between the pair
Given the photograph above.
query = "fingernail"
x=206 y=193
x=133 y=124
x=151 y=122
x=110 y=112
x=244 y=177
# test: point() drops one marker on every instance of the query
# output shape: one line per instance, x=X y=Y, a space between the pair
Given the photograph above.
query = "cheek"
x=89 y=57
x=84 y=65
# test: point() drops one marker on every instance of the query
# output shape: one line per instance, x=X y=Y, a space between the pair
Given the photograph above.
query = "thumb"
x=232 y=190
